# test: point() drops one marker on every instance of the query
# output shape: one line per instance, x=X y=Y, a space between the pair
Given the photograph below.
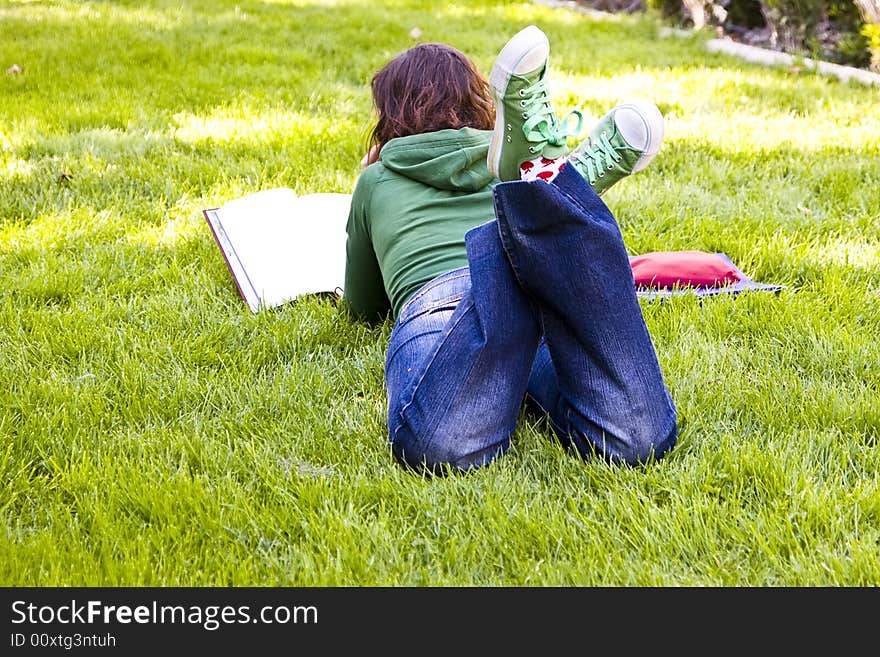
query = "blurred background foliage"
x=840 y=31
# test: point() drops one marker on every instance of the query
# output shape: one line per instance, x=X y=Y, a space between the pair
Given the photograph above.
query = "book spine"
x=242 y=282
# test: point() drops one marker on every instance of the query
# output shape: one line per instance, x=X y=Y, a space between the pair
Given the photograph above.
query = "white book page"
x=289 y=245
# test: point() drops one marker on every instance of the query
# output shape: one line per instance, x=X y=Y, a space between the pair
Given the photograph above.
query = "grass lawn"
x=155 y=432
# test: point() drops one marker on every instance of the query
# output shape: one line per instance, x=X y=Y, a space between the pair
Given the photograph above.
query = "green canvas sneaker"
x=624 y=141
x=525 y=125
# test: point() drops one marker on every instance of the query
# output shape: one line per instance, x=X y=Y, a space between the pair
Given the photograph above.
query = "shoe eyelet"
x=508 y=127
x=531 y=149
x=522 y=103
x=601 y=174
x=508 y=139
x=525 y=116
x=522 y=93
x=610 y=167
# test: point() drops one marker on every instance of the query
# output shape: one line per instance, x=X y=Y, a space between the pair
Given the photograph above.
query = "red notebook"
x=666 y=273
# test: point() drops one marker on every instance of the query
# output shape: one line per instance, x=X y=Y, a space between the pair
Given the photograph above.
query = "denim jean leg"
x=457 y=371
x=598 y=377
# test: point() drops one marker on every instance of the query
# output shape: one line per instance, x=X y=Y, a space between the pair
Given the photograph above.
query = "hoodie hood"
x=452 y=160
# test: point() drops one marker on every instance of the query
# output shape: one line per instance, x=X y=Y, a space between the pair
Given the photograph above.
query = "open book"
x=279 y=245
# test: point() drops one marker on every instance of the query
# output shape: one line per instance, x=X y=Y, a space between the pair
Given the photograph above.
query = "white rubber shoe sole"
x=640 y=123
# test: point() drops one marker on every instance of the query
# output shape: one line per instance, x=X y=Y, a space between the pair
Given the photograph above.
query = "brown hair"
x=429 y=87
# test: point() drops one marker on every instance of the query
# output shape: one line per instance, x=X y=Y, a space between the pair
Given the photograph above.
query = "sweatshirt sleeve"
x=364 y=290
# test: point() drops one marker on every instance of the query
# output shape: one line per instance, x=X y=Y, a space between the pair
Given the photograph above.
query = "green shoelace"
x=596 y=159
x=541 y=126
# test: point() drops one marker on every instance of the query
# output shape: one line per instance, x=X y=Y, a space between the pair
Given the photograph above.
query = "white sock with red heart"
x=540 y=169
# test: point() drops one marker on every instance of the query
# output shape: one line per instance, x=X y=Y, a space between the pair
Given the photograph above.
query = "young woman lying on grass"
x=504 y=271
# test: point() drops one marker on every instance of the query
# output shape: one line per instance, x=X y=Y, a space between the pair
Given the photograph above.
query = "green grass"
x=155 y=432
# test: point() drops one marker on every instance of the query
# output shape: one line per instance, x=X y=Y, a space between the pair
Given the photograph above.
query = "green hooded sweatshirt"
x=409 y=214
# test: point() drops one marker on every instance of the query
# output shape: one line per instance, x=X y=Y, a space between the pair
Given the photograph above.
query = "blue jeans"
x=546 y=311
